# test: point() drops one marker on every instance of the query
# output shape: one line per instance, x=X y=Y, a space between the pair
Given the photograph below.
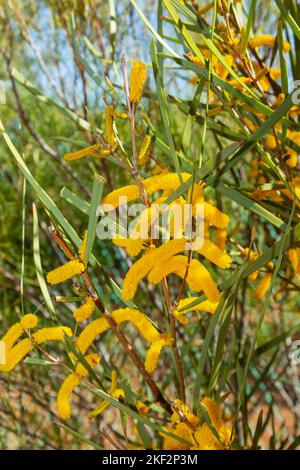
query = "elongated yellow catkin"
x=263 y=286
x=154 y=351
x=142 y=267
x=199 y=278
x=211 y=251
x=215 y=217
x=109 y=135
x=85 y=311
x=96 y=327
x=63 y=400
x=133 y=247
x=267 y=40
x=137 y=80
x=144 y=150
x=294 y=257
x=96 y=151
x=53 y=333
x=27 y=322
x=65 y=272
x=171 y=265
x=221 y=236
x=205 y=306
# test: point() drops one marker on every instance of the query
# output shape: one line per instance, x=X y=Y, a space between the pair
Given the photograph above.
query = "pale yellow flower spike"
x=154 y=183
x=154 y=351
x=267 y=40
x=82 y=249
x=96 y=327
x=65 y=272
x=109 y=135
x=137 y=81
x=142 y=267
x=18 y=352
x=211 y=251
x=263 y=286
x=199 y=278
x=63 y=401
x=96 y=151
x=27 y=322
x=144 y=150
x=85 y=311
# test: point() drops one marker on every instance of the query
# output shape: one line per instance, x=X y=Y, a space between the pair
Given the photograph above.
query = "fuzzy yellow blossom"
x=154 y=351
x=132 y=246
x=63 y=400
x=220 y=238
x=142 y=267
x=82 y=249
x=211 y=251
x=96 y=151
x=294 y=257
x=215 y=217
x=263 y=286
x=27 y=322
x=154 y=183
x=267 y=40
x=17 y=353
x=200 y=436
x=181 y=311
x=137 y=80
x=109 y=135
x=144 y=150
x=96 y=327
x=85 y=311
x=65 y=272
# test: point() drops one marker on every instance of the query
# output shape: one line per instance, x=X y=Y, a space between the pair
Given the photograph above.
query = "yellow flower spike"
x=199 y=278
x=183 y=431
x=18 y=352
x=220 y=238
x=96 y=151
x=215 y=217
x=154 y=183
x=133 y=247
x=205 y=306
x=174 y=264
x=137 y=80
x=142 y=267
x=154 y=351
x=64 y=396
x=109 y=135
x=263 y=286
x=85 y=311
x=121 y=115
x=96 y=327
x=29 y=321
x=180 y=317
x=82 y=249
x=65 y=272
x=63 y=401
x=294 y=257
x=144 y=150
x=210 y=251
x=267 y=40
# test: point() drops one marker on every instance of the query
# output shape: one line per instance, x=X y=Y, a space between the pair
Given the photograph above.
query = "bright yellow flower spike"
x=137 y=80
x=199 y=278
x=263 y=286
x=154 y=183
x=214 y=254
x=174 y=264
x=154 y=351
x=27 y=322
x=221 y=236
x=96 y=327
x=267 y=40
x=109 y=135
x=63 y=400
x=96 y=151
x=294 y=257
x=65 y=272
x=205 y=306
x=85 y=311
x=215 y=217
x=142 y=267
x=18 y=352
x=133 y=247
x=144 y=150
